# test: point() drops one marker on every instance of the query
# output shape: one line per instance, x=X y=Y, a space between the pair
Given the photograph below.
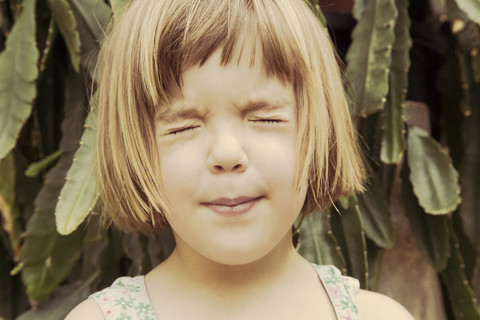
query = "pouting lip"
x=231 y=202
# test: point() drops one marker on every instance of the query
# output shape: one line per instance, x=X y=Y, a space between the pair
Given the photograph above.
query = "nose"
x=227 y=153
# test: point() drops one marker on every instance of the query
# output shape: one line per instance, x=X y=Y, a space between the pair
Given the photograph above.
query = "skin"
x=232 y=134
x=227 y=155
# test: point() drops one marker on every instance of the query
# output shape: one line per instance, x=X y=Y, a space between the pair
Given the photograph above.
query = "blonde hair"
x=140 y=69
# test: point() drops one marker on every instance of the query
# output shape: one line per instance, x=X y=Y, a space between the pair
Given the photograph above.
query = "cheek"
x=276 y=158
x=179 y=168
x=278 y=170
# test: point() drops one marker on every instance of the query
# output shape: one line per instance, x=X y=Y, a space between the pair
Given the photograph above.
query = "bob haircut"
x=140 y=71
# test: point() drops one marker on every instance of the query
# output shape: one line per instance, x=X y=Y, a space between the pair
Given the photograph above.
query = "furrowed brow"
x=170 y=116
x=263 y=105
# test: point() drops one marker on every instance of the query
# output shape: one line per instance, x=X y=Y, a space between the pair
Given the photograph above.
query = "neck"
x=190 y=267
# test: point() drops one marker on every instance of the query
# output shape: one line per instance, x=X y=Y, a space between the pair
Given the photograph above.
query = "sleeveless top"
x=127 y=299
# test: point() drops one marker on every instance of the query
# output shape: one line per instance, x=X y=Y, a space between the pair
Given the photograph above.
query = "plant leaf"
x=376 y=217
x=471 y=8
x=430 y=232
x=462 y=298
x=434 y=180
x=35 y=168
x=370 y=131
x=18 y=73
x=393 y=140
x=344 y=202
x=12 y=287
x=93 y=17
x=67 y=24
x=368 y=58
x=51 y=35
x=470 y=173
x=47 y=257
x=464 y=70
x=11 y=221
x=348 y=229
x=475 y=66
x=62 y=301
x=118 y=6
x=475 y=280
x=7 y=192
x=375 y=259
x=95 y=13
x=358 y=8
x=315 y=7
x=386 y=176
x=317 y=244
x=79 y=194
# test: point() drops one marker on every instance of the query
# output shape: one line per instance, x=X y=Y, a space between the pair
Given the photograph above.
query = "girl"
x=222 y=121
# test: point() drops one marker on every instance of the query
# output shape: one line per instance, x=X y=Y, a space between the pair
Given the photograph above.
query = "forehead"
x=241 y=85
x=238 y=82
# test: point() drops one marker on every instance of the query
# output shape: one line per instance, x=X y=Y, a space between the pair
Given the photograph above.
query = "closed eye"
x=269 y=121
x=181 y=130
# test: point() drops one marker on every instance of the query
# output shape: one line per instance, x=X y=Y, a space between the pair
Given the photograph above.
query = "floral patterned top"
x=341 y=290
x=127 y=299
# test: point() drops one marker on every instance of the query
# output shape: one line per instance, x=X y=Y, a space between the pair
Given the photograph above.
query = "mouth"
x=232 y=207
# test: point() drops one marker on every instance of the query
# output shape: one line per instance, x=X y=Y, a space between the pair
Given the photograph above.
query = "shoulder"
x=111 y=299
x=88 y=309
x=376 y=306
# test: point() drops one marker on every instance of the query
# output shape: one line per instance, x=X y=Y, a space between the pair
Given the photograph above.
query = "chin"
x=237 y=255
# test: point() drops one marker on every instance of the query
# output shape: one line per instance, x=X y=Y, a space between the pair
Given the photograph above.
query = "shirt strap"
x=341 y=291
x=126 y=298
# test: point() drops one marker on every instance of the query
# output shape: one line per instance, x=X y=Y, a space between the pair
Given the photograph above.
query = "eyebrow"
x=191 y=113
x=169 y=116
x=263 y=105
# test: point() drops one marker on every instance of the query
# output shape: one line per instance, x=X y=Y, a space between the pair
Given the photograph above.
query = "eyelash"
x=262 y=121
x=181 y=130
x=269 y=121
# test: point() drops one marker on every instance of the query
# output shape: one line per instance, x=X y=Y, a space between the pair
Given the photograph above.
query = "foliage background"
x=394 y=51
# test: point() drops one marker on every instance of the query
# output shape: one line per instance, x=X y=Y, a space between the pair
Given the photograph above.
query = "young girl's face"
x=227 y=157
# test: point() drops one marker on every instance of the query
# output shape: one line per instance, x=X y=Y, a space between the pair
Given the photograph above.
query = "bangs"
x=140 y=71
x=257 y=30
